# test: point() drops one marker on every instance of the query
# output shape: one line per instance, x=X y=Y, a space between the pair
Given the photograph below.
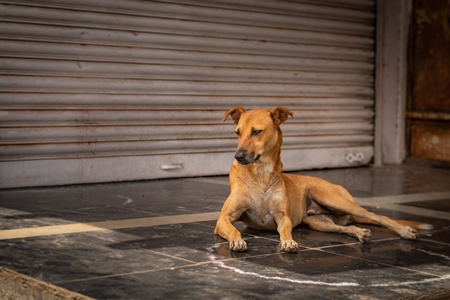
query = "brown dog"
x=264 y=198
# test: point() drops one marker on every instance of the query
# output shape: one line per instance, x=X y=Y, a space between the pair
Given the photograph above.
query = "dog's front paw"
x=409 y=233
x=289 y=246
x=238 y=245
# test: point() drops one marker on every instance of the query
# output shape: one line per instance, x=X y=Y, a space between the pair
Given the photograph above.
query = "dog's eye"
x=237 y=132
x=256 y=132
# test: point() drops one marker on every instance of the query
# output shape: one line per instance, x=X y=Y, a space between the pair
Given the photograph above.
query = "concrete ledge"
x=14 y=285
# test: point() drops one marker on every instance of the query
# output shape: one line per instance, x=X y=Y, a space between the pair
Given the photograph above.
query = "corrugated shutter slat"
x=88 y=85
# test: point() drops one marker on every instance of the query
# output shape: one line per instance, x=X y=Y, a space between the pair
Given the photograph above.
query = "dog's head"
x=258 y=132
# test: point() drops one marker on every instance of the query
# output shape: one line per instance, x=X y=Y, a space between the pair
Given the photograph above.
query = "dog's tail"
x=412 y=224
x=416 y=225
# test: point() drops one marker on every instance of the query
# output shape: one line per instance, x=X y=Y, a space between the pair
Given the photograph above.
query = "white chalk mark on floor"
x=129 y=200
x=278 y=278
x=434 y=254
x=221 y=264
x=427 y=280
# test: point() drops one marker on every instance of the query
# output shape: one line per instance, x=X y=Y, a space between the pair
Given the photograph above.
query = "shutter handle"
x=171 y=166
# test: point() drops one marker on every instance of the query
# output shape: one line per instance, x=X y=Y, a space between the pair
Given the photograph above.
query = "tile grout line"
x=105 y=225
x=195 y=264
x=140 y=248
x=128 y=273
x=350 y=244
x=385 y=264
x=437 y=242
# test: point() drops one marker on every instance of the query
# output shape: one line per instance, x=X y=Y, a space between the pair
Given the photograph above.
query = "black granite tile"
x=170 y=196
x=313 y=275
x=193 y=242
x=201 y=282
x=90 y=203
x=86 y=215
x=321 y=268
x=386 y=180
x=421 y=256
x=439 y=205
x=440 y=236
x=241 y=279
x=186 y=197
x=71 y=197
x=77 y=256
x=17 y=221
x=173 y=197
x=61 y=217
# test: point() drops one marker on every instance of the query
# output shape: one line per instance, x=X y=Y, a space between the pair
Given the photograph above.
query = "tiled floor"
x=154 y=240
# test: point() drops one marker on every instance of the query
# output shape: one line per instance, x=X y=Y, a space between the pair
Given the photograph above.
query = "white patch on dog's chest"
x=261 y=210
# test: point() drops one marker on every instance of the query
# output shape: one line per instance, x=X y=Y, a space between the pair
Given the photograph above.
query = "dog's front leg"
x=230 y=213
x=284 y=228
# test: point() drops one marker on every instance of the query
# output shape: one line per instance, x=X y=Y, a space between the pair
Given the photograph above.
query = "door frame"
x=392 y=31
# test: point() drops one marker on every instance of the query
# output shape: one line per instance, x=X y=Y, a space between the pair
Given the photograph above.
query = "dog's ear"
x=280 y=114
x=235 y=113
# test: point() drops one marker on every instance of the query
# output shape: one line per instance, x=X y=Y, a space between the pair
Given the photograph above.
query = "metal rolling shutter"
x=112 y=90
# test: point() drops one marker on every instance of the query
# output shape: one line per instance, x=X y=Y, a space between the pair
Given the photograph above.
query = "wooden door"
x=429 y=89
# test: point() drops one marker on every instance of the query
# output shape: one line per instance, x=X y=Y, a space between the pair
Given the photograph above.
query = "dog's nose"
x=240 y=156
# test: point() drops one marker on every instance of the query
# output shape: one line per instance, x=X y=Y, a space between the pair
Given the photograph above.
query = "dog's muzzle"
x=245 y=158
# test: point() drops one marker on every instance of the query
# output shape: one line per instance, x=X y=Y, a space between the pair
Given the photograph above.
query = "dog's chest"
x=261 y=209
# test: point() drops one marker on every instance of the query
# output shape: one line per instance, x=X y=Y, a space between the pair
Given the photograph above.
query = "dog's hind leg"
x=412 y=224
x=337 y=198
x=362 y=220
x=325 y=224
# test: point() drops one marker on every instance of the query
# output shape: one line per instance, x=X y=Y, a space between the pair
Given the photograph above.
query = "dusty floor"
x=154 y=240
